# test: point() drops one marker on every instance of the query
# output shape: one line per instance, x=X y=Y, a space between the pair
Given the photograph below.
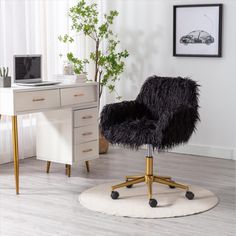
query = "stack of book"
x=81 y=78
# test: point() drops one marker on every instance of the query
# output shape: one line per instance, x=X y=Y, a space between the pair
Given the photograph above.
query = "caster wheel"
x=189 y=195
x=114 y=195
x=153 y=202
x=129 y=186
x=171 y=186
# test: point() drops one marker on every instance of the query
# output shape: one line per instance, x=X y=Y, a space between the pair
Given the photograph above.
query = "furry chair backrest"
x=174 y=100
x=161 y=94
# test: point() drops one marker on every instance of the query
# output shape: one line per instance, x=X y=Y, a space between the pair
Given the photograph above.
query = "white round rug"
x=133 y=202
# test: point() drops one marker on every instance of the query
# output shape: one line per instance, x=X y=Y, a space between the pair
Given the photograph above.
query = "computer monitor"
x=27 y=68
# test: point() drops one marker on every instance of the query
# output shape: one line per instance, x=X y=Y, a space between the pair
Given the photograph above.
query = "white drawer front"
x=37 y=100
x=85 y=134
x=71 y=96
x=86 y=151
x=85 y=117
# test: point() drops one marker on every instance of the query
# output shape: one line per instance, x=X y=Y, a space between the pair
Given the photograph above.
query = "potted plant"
x=107 y=58
x=5 y=80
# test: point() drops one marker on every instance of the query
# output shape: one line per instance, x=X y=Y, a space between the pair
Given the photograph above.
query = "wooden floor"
x=48 y=204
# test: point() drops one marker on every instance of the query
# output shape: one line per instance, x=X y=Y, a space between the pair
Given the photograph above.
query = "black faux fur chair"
x=163 y=115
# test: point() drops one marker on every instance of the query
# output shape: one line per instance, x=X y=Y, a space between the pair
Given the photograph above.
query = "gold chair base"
x=149 y=179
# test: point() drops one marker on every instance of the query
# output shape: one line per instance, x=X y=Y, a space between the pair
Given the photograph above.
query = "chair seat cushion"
x=134 y=133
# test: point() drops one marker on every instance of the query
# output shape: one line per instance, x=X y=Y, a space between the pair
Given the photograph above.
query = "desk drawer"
x=86 y=151
x=37 y=100
x=71 y=96
x=85 y=117
x=85 y=134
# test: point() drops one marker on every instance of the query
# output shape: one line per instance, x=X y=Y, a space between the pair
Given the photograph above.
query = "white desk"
x=67 y=110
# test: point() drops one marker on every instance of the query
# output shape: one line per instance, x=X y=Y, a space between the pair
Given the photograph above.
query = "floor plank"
x=48 y=204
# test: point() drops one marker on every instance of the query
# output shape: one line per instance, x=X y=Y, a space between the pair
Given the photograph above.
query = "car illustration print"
x=197 y=36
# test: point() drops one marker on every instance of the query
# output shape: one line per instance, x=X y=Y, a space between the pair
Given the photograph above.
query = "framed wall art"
x=197 y=30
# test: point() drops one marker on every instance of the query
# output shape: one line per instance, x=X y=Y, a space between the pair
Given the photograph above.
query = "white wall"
x=145 y=28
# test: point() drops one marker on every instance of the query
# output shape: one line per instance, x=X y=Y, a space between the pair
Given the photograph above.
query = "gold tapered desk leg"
x=15 y=151
x=68 y=170
x=48 y=166
x=87 y=165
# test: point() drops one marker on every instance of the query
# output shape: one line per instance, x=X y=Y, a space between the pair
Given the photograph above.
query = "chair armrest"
x=176 y=126
x=180 y=114
x=116 y=113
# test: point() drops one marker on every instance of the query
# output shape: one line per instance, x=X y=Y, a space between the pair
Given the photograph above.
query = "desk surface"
x=20 y=88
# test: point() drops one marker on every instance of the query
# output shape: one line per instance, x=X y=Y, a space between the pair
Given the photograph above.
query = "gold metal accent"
x=38 y=99
x=149 y=165
x=15 y=151
x=79 y=95
x=88 y=150
x=149 y=185
x=170 y=183
x=164 y=177
x=133 y=177
x=68 y=170
x=48 y=166
x=87 y=165
x=149 y=178
x=87 y=117
x=126 y=183
x=65 y=169
x=87 y=133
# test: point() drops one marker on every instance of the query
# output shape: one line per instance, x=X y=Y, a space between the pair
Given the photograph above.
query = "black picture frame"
x=195 y=45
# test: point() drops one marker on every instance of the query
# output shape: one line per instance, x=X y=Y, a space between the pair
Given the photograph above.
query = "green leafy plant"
x=4 y=71
x=108 y=60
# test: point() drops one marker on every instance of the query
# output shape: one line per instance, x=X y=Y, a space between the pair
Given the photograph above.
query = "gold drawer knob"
x=38 y=99
x=87 y=133
x=79 y=95
x=87 y=117
x=88 y=150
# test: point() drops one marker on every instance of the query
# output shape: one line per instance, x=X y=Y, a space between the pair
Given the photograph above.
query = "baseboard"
x=201 y=150
x=209 y=151
x=5 y=159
